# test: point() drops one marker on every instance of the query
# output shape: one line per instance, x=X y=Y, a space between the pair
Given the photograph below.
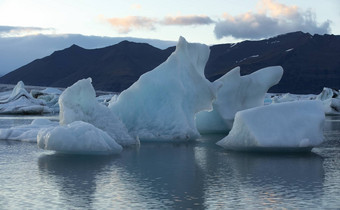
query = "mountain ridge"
x=311 y=62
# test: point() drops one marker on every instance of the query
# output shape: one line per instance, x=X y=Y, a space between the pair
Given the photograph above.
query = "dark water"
x=194 y=175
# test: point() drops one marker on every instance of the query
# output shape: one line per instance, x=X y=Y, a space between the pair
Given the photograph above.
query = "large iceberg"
x=285 y=126
x=162 y=104
x=26 y=132
x=237 y=93
x=79 y=103
x=77 y=138
x=19 y=101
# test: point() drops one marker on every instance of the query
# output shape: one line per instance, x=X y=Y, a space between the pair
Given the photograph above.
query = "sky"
x=210 y=22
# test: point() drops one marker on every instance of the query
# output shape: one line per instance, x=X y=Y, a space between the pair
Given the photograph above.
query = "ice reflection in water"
x=242 y=180
x=171 y=175
x=74 y=176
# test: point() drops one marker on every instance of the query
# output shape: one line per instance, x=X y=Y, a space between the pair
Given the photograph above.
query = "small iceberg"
x=331 y=101
x=78 y=103
x=21 y=102
x=26 y=133
x=50 y=96
x=290 y=126
x=77 y=138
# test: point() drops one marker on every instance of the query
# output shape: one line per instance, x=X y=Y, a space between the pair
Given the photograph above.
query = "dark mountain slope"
x=310 y=63
x=111 y=68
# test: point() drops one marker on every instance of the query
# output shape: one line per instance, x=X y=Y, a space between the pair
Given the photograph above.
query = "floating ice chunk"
x=77 y=138
x=286 y=126
x=237 y=93
x=162 y=104
x=331 y=106
x=21 y=102
x=328 y=93
x=285 y=98
x=79 y=103
x=26 y=132
x=46 y=91
x=50 y=96
x=106 y=99
x=329 y=97
x=331 y=101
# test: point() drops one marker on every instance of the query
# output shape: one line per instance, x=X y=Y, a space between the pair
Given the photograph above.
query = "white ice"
x=77 y=138
x=329 y=97
x=106 y=99
x=26 y=132
x=79 y=103
x=285 y=126
x=161 y=105
x=237 y=93
x=331 y=101
x=50 y=96
x=21 y=102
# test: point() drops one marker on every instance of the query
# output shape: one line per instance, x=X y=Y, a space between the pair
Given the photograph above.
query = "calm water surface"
x=195 y=175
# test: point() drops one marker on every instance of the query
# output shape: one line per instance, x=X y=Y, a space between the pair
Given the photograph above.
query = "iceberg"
x=21 y=102
x=26 y=132
x=328 y=93
x=50 y=96
x=331 y=101
x=237 y=93
x=331 y=106
x=278 y=127
x=106 y=99
x=79 y=103
x=161 y=105
x=77 y=138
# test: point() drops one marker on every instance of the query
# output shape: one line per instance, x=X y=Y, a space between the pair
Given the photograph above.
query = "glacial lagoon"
x=196 y=175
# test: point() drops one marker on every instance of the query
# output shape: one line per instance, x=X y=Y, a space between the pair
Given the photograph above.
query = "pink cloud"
x=271 y=18
x=126 y=24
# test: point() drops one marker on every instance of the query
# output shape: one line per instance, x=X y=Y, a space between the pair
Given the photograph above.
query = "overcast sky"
x=209 y=22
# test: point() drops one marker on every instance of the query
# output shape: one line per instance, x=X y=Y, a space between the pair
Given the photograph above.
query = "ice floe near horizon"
x=237 y=93
x=26 y=132
x=19 y=101
x=162 y=104
x=330 y=99
x=77 y=138
x=50 y=96
x=278 y=127
x=78 y=103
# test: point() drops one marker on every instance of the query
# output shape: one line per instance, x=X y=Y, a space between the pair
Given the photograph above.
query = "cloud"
x=270 y=19
x=276 y=9
x=187 y=20
x=136 y=6
x=17 y=31
x=126 y=24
